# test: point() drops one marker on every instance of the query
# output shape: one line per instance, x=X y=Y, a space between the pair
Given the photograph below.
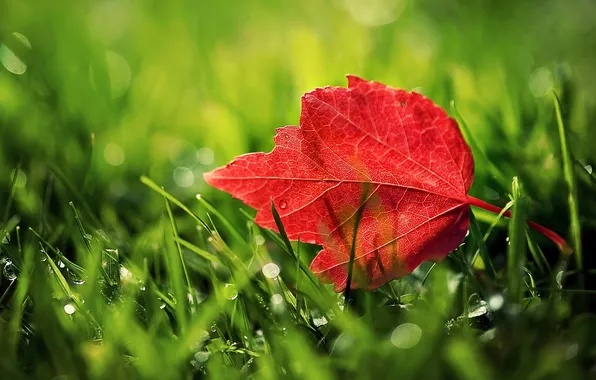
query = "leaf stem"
x=553 y=236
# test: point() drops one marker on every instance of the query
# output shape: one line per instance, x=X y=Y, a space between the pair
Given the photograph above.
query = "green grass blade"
x=8 y=204
x=178 y=248
x=479 y=241
x=201 y=252
x=516 y=251
x=221 y=218
x=571 y=186
x=153 y=186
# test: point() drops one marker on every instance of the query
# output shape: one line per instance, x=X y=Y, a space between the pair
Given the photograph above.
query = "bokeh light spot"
x=541 y=82
x=114 y=154
x=277 y=299
x=406 y=335
x=184 y=177
x=205 y=156
x=270 y=270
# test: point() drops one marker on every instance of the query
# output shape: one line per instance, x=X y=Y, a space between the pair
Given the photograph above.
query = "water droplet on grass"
x=9 y=270
x=10 y=60
x=60 y=264
x=588 y=168
x=76 y=278
x=69 y=309
x=478 y=309
x=230 y=292
x=559 y=278
x=406 y=335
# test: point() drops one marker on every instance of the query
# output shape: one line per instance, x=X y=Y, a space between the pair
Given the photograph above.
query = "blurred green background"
x=94 y=94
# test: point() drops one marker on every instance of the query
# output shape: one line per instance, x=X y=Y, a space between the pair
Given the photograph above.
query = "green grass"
x=112 y=267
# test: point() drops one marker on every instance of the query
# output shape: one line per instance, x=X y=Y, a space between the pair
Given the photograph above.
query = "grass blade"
x=571 y=186
x=479 y=240
x=153 y=186
x=516 y=251
x=221 y=218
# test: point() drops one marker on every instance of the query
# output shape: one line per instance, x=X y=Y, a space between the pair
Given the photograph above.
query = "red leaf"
x=393 y=150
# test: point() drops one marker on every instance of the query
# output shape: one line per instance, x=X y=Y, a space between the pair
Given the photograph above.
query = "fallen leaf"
x=392 y=152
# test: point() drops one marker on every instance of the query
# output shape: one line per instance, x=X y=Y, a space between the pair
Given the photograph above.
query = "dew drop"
x=76 y=278
x=69 y=309
x=559 y=278
x=10 y=60
x=61 y=264
x=9 y=270
x=478 y=309
x=283 y=205
x=230 y=292
x=588 y=168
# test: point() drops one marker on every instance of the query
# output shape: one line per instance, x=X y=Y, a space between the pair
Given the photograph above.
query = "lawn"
x=119 y=261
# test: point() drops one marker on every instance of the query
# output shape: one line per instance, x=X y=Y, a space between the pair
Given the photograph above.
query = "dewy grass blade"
x=286 y=242
x=516 y=251
x=21 y=293
x=571 y=186
x=178 y=248
x=479 y=240
x=73 y=190
x=539 y=258
x=153 y=186
x=174 y=269
x=201 y=252
x=87 y=242
x=8 y=205
x=221 y=218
